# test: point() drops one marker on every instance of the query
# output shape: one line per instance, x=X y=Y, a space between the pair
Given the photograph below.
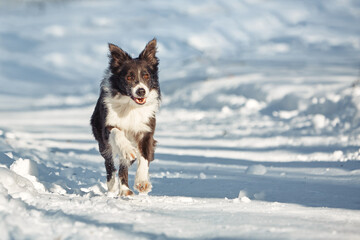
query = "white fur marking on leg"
x=113 y=185
x=121 y=146
x=142 y=180
x=125 y=191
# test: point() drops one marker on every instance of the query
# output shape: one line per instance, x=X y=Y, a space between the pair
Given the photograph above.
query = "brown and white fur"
x=124 y=120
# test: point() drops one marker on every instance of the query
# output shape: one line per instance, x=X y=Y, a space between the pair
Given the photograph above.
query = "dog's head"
x=136 y=78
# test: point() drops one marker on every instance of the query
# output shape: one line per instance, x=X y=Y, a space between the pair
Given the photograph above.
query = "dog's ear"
x=117 y=56
x=148 y=54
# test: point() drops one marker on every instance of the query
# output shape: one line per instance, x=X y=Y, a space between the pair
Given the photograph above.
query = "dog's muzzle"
x=139 y=96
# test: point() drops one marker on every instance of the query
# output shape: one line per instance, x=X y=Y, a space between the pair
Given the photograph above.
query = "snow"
x=258 y=132
x=256 y=169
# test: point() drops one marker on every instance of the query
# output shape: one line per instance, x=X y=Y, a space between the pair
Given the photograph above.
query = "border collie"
x=124 y=121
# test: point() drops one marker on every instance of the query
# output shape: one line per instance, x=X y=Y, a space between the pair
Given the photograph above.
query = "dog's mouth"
x=139 y=101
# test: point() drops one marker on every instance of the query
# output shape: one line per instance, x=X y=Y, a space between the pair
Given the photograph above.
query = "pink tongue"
x=140 y=100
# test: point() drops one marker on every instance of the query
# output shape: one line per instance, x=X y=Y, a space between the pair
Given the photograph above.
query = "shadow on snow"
x=226 y=181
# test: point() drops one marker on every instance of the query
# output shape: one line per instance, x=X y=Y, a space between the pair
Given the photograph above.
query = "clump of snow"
x=28 y=169
x=339 y=155
x=252 y=104
x=16 y=185
x=242 y=193
x=97 y=189
x=286 y=114
x=25 y=167
x=257 y=169
x=242 y=197
x=320 y=121
x=226 y=111
x=245 y=199
x=202 y=176
x=55 y=188
x=9 y=154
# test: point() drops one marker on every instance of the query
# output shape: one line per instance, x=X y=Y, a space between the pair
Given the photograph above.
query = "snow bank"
x=337 y=110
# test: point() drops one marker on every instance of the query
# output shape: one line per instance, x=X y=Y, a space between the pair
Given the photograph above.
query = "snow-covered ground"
x=258 y=130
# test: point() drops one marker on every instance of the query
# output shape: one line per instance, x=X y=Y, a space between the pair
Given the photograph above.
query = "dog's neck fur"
x=123 y=113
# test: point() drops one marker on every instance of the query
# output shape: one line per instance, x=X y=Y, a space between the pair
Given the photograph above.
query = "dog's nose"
x=141 y=92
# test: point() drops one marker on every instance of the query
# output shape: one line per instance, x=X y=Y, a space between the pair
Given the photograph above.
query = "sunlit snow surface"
x=258 y=130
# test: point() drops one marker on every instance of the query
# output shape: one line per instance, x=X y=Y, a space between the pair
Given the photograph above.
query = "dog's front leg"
x=124 y=184
x=122 y=147
x=142 y=180
x=146 y=148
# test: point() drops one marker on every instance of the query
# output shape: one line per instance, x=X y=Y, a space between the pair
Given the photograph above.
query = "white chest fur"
x=125 y=114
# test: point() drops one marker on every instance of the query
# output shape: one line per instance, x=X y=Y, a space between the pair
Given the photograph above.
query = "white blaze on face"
x=140 y=85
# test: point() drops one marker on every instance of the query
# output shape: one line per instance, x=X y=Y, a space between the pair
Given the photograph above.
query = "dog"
x=123 y=121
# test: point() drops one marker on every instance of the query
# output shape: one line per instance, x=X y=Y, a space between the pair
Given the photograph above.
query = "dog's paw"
x=113 y=185
x=143 y=186
x=129 y=152
x=126 y=193
x=112 y=194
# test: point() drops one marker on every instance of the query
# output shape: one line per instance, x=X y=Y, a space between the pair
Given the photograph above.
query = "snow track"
x=258 y=133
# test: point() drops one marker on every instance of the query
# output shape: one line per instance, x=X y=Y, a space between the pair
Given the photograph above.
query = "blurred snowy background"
x=52 y=48
x=260 y=115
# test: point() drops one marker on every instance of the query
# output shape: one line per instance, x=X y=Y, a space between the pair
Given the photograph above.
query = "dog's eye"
x=146 y=76
x=130 y=78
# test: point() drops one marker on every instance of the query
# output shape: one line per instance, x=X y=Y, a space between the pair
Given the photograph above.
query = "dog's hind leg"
x=124 y=184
